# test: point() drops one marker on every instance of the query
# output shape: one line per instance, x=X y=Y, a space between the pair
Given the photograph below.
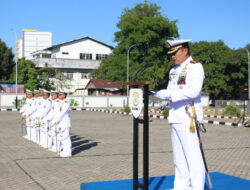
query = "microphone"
x=139 y=72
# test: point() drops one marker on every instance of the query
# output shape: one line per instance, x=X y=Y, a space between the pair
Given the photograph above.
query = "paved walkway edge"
x=151 y=116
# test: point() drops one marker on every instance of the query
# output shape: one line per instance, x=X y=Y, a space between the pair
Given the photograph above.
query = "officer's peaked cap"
x=53 y=92
x=29 y=91
x=41 y=90
x=175 y=45
x=36 y=91
x=61 y=91
x=46 y=92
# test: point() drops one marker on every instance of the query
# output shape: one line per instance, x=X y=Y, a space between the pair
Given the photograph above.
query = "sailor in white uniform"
x=24 y=111
x=46 y=106
x=48 y=119
x=31 y=108
x=62 y=121
x=185 y=85
x=24 y=107
x=33 y=116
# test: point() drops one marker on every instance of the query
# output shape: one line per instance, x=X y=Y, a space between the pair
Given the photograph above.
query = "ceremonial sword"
x=198 y=129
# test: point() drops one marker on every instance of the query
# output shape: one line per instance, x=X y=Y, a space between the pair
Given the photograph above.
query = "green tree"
x=215 y=57
x=34 y=78
x=27 y=74
x=45 y=77
x=146 y=27
x=237 y=70
x=6 y=61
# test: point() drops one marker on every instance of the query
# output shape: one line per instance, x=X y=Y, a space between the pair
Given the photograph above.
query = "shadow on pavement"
x=79 y=145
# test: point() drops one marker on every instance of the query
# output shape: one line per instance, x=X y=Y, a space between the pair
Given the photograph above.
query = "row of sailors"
x=48 y=121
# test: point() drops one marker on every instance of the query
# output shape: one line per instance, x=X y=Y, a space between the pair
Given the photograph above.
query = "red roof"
x=104 y=84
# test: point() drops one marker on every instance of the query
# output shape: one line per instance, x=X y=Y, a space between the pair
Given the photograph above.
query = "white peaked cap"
x=53 y=92
x=28 y=91
x=41 y=90
x=174 y=45
x=46 y=91
x=63 y=91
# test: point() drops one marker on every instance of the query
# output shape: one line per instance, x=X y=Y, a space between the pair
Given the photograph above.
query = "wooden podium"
x=145 y=122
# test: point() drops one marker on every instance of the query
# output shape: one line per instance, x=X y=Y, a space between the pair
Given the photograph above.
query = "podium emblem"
x=136 y=101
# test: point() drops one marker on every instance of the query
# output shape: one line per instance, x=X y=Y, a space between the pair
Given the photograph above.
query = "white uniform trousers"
x=44 y=135
x=33 y=131
x=28 y=128
x=189 y=166
x=38 y=134
x=65 y=142
x=51 y=136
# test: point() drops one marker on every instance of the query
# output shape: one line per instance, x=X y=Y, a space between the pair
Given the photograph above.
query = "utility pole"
x=16 y=64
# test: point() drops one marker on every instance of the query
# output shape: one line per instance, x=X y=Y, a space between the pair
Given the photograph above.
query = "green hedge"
x=232 y=110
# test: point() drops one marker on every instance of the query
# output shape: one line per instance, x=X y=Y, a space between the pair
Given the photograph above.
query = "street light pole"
x=248 y=63
x=16 y=64
x=128 y=64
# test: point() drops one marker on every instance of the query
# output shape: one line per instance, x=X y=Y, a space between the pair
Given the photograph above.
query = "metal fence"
x=242 y=104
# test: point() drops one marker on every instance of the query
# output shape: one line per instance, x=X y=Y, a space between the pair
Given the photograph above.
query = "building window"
x=69 y=75
x=86 y=56
x=65 y=53
x=101 y=56
x=84 y=75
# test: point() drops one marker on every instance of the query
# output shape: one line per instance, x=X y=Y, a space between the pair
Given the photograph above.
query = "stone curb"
x=164 y=117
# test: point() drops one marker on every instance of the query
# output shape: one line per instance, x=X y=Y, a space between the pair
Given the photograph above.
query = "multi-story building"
x=75 y=58
x=19 y=49
x=31 y=41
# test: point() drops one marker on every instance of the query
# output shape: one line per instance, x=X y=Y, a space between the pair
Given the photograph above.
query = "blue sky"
x=199 y=20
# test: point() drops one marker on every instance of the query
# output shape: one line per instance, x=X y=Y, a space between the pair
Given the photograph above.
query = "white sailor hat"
x=46 y=92
x=36 y=91
x=61 y=91
x=175 y=45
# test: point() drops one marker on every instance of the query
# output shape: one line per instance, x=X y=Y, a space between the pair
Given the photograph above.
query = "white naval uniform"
x=35 y=130
x=63 y=121
x=22 y=111
x=185 y=85
x=30 y=109
x=55 y=107
x=45 y=108
x=24 y=107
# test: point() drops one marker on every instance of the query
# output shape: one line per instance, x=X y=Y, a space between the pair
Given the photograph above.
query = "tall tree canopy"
x=215 y=56
x=6 y=61
x=225 y=69
x=146 y=29
x=27 y=74
x=34 y=78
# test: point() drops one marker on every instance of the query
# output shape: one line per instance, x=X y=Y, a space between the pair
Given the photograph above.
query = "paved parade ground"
x=102 y=151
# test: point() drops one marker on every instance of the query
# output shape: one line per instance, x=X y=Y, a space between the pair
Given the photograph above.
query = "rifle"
x=199 y=127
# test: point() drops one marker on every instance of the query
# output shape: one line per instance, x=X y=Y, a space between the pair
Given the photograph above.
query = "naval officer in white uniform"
x=62 y=121
x=48 y=120
x=185 y=85
x=25 y=112
x=46 y=106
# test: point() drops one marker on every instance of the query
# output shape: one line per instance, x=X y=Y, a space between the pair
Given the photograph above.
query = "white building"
x=75 y=58
x=19 y=49
x=31 y=41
